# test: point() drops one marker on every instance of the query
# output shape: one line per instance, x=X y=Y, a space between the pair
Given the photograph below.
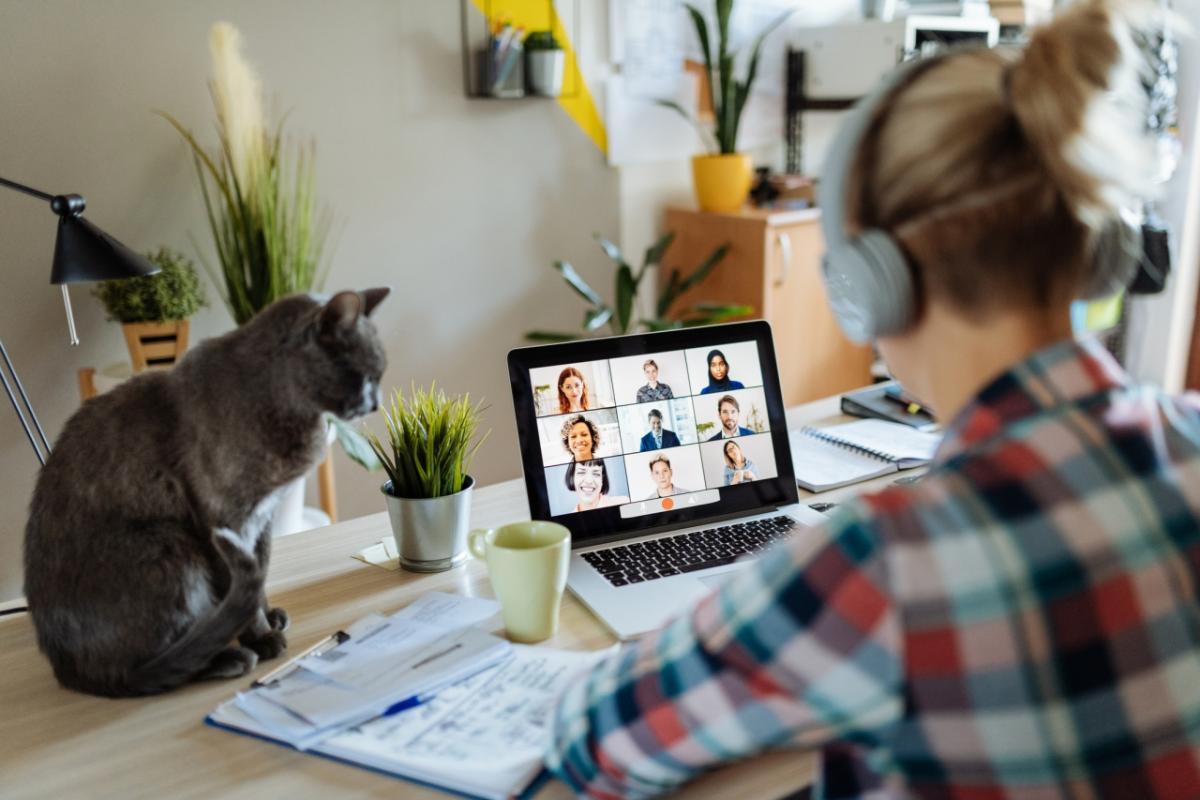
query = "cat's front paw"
x=232 y=662
x=278 y=619
x=267 y=646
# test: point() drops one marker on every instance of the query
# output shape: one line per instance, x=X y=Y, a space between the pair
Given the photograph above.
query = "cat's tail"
x=189 y=655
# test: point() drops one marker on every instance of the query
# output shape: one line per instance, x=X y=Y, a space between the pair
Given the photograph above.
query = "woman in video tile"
x=718 y=375
x=580 y=438
x=589 y=481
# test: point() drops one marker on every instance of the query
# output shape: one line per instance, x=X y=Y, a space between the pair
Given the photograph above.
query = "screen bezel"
x=606 y=524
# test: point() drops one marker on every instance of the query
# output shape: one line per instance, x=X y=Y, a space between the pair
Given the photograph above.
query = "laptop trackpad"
x=712 y=582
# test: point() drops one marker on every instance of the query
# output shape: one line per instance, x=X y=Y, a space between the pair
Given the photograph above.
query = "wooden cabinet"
x=773 y=264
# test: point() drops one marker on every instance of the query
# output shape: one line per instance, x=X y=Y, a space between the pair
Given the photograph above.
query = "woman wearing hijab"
x=718 y=374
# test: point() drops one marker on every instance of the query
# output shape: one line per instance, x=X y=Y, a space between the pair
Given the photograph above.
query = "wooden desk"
x=57 y=743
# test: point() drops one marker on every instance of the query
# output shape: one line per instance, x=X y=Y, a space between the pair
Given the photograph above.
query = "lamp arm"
x=12 y=398
x=61 y=204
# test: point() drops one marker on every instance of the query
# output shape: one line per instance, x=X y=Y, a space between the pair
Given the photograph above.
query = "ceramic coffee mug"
x=527 y=563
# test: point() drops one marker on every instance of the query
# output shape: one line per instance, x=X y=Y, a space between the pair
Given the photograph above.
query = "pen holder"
x=506 y=80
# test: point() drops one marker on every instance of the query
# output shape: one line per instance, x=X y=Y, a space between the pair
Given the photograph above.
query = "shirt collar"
x=1062 y=374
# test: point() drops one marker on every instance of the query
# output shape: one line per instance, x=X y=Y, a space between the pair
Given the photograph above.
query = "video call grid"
x=554 y=471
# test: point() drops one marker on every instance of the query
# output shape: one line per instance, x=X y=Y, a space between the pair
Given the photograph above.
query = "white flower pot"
x=544 y=72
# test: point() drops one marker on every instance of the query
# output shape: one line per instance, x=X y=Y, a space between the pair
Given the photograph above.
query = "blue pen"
x=406 y=704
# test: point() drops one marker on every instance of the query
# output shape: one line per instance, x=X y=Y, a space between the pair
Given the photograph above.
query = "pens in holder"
x=324 y=646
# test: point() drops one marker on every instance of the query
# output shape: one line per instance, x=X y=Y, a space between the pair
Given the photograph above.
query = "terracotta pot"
x=722 y=182
x=155 y=345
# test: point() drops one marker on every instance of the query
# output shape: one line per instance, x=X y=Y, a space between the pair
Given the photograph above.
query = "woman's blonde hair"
x=995 y=170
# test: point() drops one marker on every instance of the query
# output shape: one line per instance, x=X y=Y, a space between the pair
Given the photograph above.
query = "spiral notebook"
x=840 y=455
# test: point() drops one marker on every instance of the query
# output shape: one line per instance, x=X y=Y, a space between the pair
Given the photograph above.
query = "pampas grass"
x=258 y=193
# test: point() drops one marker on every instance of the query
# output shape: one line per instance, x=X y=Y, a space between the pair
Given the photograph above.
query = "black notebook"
x=840 y=455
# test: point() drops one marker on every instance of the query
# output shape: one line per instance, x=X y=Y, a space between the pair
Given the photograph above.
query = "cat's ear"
x=340 y=313
x=374 y=297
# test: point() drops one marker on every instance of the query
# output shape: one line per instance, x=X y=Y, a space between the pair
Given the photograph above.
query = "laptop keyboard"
x=688 y=552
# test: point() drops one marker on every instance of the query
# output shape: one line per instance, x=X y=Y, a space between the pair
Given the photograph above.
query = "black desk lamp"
x=82 y=253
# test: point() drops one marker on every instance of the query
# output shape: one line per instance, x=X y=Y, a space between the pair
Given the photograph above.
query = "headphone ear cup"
x=870 y=287
x=1116 y=253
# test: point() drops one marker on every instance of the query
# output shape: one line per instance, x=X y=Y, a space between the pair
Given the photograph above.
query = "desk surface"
x=56 y=743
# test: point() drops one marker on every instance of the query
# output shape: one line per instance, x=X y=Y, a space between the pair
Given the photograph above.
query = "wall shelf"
x=479 y=76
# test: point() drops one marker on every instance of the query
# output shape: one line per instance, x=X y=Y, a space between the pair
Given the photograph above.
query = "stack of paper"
x=424 y=694
x=386 y=665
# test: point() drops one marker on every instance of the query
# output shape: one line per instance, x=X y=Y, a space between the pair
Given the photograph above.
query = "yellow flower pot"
x=722 y=182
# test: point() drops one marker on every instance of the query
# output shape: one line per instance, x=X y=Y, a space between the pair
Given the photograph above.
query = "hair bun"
x=1078 y=96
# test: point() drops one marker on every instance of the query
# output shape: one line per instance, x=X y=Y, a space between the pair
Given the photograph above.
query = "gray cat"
x=149 y=529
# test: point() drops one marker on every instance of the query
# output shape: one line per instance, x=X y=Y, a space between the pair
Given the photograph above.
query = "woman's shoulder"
x=736 y=385
x=706 y=390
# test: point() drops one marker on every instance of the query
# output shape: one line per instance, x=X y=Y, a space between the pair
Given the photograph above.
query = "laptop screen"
x=635 y=433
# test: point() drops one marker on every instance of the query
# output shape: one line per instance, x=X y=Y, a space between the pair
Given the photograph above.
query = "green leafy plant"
x=541 y=40
x=174 y=293
x=258 y=194
x=619 y=316
x=431 y=440
x=726 y=94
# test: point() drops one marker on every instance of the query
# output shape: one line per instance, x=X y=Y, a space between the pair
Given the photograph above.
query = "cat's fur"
x=149 y=529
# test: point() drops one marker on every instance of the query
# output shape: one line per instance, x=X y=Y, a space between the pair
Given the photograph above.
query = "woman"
x=580 y=438
x=589 y=481
x=738 y=468
x=572 y=391
x=1025 y=621
x=718 y=375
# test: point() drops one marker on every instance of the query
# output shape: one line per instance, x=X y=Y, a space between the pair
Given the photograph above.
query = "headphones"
x=868 y=279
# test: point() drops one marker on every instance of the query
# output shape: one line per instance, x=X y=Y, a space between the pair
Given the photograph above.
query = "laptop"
x=667 y=456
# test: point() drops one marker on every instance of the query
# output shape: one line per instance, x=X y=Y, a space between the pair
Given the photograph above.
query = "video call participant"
x=580 y=438
x=1024 y=621
x=589 y=481
x=653 y=390
x=738 y=468
x=664 y=479
x=718 y=375
x=729 y=410
x=572 y=391
x=658 y=438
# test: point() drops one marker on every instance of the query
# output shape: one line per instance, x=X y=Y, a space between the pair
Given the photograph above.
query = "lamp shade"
x=83 y=252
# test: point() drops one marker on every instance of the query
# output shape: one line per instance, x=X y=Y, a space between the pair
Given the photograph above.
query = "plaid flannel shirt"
x=1022 y=623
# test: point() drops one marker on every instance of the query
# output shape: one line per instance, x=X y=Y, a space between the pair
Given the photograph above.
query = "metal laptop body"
x=638 y=496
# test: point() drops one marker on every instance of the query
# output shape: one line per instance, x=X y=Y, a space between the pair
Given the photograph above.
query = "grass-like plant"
x=258 y=192
x=620 y=314
x=726 y=94
x=173 y=293
x=431 y=440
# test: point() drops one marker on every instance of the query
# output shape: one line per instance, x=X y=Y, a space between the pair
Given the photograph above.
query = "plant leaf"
x=356 y=445
x=742 y=89
x=709 y=140
x=578 y=283
x=596 y=317
x=654 y=253
x=705 y=268
x=712 y=313
x=654 y=325
x=551 y=336
x=669 y=293
x=626 y=292
x=702 y=34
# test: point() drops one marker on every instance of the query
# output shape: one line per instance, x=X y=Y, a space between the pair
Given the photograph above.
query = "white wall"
x=460 y=205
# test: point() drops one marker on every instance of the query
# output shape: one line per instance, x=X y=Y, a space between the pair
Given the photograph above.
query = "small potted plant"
x=544 y=64
x=431 y=440
x=154 y=309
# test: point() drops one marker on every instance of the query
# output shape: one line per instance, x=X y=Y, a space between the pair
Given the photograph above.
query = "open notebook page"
x=820 y=466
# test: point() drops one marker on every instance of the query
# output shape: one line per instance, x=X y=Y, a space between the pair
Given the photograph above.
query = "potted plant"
x=544 y=59
x=154 y=309
x=260 y=200
x=431 y=440
x=619 y=316
x=722 y=177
